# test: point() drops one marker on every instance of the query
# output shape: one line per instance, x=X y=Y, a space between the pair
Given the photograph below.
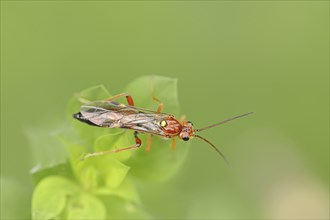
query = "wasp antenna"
x=225 y=121
x=214 y=147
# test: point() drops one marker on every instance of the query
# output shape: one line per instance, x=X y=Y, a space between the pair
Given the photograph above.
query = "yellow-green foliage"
x=103 y=187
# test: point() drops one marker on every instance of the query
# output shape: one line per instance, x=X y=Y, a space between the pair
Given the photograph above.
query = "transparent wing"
x=100 y=116
x=144 y=122
x=117 y=115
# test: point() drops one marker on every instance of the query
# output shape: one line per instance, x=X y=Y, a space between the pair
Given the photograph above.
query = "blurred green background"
x=270 y=57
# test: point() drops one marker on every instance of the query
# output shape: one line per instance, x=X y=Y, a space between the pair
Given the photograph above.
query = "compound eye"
x=189 y=122
x=185 y=138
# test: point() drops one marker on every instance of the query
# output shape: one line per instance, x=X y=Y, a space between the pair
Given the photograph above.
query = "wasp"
x=110 y=114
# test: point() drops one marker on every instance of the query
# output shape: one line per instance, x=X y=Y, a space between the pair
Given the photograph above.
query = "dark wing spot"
x=81 y=118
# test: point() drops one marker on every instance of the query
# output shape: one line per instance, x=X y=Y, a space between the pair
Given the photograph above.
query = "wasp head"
x=187 y=131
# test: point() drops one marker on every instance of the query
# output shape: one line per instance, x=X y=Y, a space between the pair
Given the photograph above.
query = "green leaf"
x=114 y=141
x=50 y=197
x=97 y=171
x=63 y=170
x=126 y=191
x=118 y=208
x=85 y=206
x=161 y=162
x=46 y=150
x=163 y=88
x=56 y=196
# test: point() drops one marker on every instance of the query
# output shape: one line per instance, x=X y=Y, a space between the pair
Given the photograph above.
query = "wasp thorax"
x=170 y=126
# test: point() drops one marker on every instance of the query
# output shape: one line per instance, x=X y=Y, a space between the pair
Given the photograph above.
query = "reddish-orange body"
x=173 y=127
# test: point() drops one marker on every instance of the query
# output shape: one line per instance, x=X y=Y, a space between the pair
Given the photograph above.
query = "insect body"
x=110 y=114
x=116 y=115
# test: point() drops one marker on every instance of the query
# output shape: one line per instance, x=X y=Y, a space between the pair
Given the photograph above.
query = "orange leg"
x=128 y=98
x=173 y=145
x=182 y=119
x=137 y=144
x=148 y=148
x=160 y=104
